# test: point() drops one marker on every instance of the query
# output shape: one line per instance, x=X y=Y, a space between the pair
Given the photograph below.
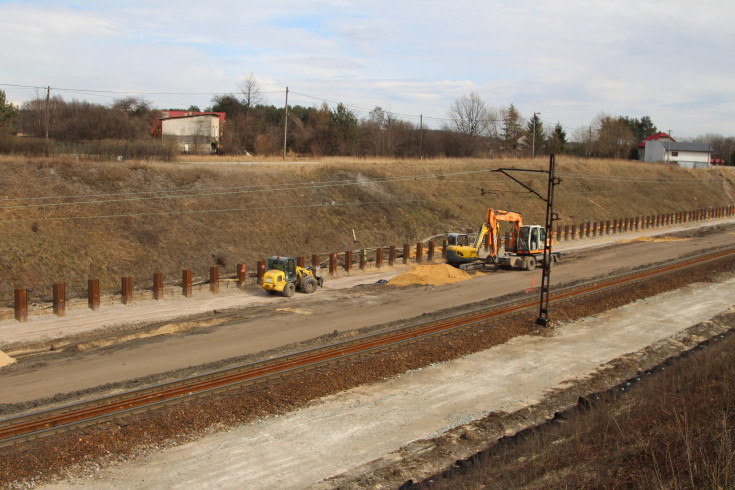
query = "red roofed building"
x=660 y=147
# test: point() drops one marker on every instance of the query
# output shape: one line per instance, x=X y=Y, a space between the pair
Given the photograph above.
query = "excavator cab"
x=530 y=239
x=461 y=239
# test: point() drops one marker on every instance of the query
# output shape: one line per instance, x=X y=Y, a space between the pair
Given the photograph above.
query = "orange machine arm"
x=493 y=216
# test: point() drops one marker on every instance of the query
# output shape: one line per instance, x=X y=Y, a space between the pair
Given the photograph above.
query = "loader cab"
x=531 y=239
x=285 y=264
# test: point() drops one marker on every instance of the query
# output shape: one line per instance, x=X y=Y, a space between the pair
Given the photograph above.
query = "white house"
x=195 y=133
x=661 y=147
x=689 y=155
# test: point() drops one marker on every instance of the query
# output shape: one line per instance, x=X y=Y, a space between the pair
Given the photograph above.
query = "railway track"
x=81 y=414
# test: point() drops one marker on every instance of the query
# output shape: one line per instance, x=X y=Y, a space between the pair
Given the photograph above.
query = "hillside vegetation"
x=69 y=221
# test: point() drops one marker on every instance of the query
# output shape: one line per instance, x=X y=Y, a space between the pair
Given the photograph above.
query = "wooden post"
x=379 y=257
x=444 y=249
x=419 y=252
x=158 y=286
x=214 y=279
x=186 y=283
x=301 y=261
x=348 y=261
x=60 y=299
x=93 y=288
x=260 y=272
x=431 y=251
x=363 y=259
x=406 y=253
x=392 y=255
x=241 y=275
x=332 y=264
x=21 y=305
x=316 y=262
x=126 y=285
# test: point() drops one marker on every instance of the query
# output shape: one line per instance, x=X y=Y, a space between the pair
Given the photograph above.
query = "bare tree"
x=251 y=94
x=471 y=118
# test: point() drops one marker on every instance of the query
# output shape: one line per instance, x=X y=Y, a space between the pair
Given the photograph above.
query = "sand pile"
x=5 y=359
x=657 y=239
x=430 y=274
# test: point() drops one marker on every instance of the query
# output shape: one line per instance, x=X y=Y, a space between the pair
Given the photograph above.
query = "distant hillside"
x=70 y=221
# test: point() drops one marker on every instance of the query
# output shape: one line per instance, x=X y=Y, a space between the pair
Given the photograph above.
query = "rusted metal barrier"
x=260 y=272
x=126 y=286
x=316 y=262
x=158 y=286
x=186 y=283
x=214 y=279
x=332 y=264
x=59 y=299
x=93 y=294
x=21 y=305
x=242 y=275
x=348 y=261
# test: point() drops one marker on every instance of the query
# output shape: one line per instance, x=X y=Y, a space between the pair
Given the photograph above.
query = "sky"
x=569 y=60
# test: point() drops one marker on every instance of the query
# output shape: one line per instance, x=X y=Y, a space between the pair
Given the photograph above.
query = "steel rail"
x=80 y=414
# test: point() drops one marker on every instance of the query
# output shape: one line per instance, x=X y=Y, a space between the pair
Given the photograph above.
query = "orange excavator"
x=524 y=250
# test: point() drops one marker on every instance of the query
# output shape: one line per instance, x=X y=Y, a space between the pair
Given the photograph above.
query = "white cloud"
x=568 y=59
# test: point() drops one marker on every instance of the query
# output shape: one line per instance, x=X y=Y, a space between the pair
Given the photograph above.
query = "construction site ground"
x=358 y=432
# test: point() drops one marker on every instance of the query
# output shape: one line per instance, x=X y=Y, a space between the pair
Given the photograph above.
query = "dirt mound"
x=5 y=359
x=657 y=239
x=430 y=274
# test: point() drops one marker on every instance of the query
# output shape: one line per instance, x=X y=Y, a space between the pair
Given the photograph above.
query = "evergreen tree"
x=535 y=139
x=557 y=142
x=344 y=126
x=512 y=131
x=9 y=115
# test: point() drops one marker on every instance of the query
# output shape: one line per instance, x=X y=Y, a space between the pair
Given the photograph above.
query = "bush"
x=100 y=150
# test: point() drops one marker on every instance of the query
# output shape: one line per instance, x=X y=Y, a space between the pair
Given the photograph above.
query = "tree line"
x=471 y=129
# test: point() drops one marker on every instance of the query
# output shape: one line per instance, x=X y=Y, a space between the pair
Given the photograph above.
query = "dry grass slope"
x=69 y=221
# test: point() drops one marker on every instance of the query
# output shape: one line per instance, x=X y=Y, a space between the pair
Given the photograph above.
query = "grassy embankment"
x=69 y=221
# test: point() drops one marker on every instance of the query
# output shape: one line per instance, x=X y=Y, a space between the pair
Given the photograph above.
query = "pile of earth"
x=430 y=275
x=5 y=359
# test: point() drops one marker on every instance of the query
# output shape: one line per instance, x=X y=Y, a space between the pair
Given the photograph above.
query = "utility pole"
x=48 y=108
x=285 y=126
x=551 y=216
x=533 y=138
x=421 y=136
x=543 y=316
